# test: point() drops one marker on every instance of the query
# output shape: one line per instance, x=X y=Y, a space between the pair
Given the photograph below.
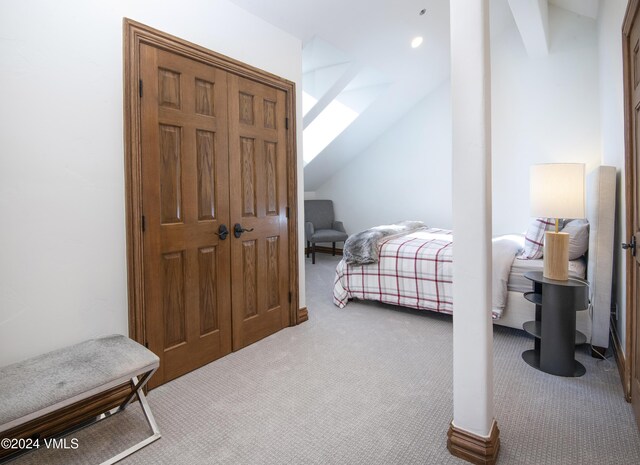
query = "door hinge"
x=146 y=344
x=289 y=297
x=287 y=212
x=143 y=223
x=286 y=123
x=140 y=87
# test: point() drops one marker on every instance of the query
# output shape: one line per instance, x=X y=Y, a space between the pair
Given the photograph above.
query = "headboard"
x=601 y=210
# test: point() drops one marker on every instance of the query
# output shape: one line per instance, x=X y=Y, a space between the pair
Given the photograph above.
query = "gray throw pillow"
x=578 y=238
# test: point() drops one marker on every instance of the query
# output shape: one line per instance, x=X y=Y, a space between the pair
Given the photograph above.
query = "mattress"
x=415 y=270
x=518 y=283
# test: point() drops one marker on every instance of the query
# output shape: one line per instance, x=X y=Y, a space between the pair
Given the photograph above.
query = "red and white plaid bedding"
x=413 y=271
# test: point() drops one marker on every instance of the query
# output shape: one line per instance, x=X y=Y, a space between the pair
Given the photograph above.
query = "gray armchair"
x=320 y=226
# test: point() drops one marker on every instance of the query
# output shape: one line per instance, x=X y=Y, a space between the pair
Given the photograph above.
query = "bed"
x=414 y=269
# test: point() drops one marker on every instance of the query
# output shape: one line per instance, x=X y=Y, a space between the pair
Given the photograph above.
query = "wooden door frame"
x=626 y=361
x=136 y=34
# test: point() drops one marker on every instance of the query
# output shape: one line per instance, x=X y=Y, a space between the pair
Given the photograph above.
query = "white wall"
x=543 y=110
x=611 y=15
x=405 y=174
x=63 y=266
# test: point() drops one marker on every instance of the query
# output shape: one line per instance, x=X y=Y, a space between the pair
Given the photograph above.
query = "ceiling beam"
x=337 y=87
x=588 y=8
x=532 y=19
x=323 y=67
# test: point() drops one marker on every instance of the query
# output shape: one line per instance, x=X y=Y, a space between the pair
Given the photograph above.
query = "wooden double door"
x=214 y=204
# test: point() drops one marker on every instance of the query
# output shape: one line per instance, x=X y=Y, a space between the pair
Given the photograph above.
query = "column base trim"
x=303 y=315
x=472 y=448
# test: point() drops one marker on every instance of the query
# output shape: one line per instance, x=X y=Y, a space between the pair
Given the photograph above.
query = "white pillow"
x=578 y=238
x=534 y=238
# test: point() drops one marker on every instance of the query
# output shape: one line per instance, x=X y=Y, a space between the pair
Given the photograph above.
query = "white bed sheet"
x=518 y=283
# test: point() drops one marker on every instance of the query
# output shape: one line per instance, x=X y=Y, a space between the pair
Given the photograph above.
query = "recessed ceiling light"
x=416 y=42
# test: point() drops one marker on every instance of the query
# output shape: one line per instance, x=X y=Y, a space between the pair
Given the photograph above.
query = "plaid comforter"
x=414 y=271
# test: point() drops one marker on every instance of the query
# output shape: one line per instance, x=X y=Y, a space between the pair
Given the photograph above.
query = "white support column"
x=473 y=435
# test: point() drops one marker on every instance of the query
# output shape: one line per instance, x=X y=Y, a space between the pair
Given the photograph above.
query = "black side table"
x=555 y=325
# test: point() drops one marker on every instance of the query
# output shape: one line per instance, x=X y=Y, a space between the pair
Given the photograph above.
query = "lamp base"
x=556 y=256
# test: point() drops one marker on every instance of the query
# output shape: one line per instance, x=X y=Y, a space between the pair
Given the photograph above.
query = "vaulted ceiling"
x=372 y=38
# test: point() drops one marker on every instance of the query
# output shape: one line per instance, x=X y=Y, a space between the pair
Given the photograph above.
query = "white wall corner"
x=610 y=17
x=532 y=19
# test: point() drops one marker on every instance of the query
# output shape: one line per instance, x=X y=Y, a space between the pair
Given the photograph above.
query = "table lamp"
x=557 y=191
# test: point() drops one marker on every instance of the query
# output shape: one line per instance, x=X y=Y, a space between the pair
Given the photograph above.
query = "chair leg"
x=308 y=247
x=334 y=248
x=313 y=253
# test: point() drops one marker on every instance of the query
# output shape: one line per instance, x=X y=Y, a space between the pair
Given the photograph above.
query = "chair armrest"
x=338 y=226
x=309 y=230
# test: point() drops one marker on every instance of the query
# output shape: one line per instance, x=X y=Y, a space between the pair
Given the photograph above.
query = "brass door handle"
x=238 y=230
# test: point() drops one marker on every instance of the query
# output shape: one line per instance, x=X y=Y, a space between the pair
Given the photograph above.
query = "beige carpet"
x=369 y=384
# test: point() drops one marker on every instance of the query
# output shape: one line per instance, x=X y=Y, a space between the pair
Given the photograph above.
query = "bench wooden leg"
x=308 y=247
x=313 y=253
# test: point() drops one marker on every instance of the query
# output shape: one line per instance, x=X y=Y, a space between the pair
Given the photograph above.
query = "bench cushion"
x=53 y=380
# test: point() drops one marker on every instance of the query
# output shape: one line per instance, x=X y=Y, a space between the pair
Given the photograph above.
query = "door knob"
x=631 y=245
x=223 y=232
x=238 y=230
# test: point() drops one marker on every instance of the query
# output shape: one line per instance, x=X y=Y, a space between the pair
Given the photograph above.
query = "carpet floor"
x=368 y=384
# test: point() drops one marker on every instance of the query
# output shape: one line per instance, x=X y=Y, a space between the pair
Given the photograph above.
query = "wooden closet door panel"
x=258 y=187
x=632 y=78
x=185 y=200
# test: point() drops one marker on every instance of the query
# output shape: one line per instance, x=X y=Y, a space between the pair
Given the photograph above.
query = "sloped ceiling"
x=377 y=34
x=588 y=8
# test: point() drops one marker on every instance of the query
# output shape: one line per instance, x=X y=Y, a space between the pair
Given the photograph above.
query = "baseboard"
x=621 y=361
x=303 y=315
x=323 y=249
x=474 y=449
x=598 y=352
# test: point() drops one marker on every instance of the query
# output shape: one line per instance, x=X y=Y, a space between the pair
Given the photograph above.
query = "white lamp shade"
x=557 y=190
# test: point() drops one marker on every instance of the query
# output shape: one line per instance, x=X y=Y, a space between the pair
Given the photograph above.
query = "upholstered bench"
x=44 y=384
